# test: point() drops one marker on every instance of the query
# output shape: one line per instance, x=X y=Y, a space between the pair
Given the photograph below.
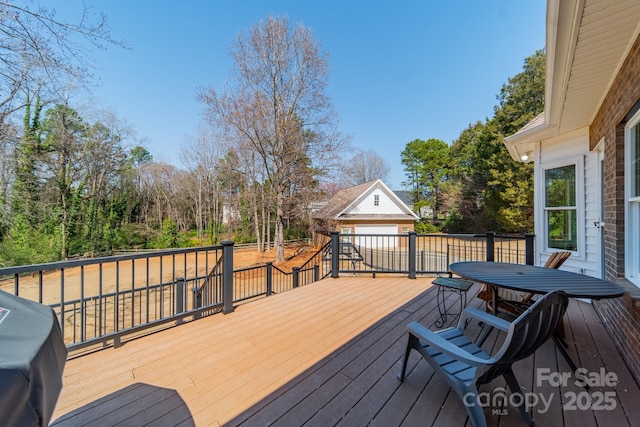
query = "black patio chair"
x=466 y=366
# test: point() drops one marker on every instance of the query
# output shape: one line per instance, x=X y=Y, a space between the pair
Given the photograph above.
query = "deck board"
x=322 y=355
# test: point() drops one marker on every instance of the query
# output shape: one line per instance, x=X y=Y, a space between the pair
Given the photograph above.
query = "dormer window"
x=376 y=200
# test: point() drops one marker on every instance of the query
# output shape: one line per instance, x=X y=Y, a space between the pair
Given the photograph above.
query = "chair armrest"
x=433 y=339
x=485 y=317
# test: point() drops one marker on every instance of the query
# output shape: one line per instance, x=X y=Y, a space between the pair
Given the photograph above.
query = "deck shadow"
x=137 y=404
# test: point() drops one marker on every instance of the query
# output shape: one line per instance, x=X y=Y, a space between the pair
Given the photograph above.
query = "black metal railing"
x=426 y=254
x=268 y=279
x=100 y=300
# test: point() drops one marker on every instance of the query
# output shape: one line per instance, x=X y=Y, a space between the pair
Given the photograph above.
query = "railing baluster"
x=83 y=337
x=117 y=298
x=40 y=287
x=101 y=332
x=133 y=287
x=62 y=305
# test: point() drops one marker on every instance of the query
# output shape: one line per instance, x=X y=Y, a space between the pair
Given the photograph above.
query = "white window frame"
x=376 y=200
x=578 y=163
x=346 y=235
x=631 y=210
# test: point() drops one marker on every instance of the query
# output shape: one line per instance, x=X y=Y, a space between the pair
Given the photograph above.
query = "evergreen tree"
x=495 y=192
x=25 y=185
x=427 y=167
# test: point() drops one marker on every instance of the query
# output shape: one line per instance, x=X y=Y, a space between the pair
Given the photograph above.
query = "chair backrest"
x=557 y=259
x=528 y=332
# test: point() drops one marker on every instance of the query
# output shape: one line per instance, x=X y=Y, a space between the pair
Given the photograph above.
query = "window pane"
x=635 y=161
x=560 y=186
x=634 y=230
x=562 y=229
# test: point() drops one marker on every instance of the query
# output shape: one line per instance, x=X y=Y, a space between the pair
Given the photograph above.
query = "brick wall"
x=620 y=316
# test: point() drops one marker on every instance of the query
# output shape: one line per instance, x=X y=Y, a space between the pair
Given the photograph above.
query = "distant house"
x=586 y=149
x=370 y=208
x=407 y=198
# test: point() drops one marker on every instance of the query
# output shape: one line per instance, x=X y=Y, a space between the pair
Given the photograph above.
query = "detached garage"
x=375 y=241
x=371 y=210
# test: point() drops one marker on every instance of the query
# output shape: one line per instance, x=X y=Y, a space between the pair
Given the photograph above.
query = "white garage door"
x=379 y=238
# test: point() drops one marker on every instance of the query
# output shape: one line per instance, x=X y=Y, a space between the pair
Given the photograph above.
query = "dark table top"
x=537 y=280
x=32 y=358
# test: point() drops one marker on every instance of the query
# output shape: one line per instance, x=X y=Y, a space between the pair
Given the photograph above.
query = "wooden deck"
x=322 y=355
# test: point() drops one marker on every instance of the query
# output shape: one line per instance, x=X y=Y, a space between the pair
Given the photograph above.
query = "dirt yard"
x=295 y=255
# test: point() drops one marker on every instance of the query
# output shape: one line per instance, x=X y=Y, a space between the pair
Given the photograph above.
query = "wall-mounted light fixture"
x=526 y=156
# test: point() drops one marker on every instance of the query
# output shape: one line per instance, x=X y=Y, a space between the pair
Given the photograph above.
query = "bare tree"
x=8 y=136
x=365 y=166
x=277 y=104
x=104 y=161
x=243 y=182
x=201 y=155
x=38 y=50
x=158 y=190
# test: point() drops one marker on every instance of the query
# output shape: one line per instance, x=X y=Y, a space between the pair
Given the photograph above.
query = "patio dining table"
x=536 y=280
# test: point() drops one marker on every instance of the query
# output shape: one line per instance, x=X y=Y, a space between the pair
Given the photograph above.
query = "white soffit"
x=607 y=30
x=587 y=43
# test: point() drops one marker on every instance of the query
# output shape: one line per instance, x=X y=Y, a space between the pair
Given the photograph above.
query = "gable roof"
x=340 y=205
x=405 y=196
x=587 y=43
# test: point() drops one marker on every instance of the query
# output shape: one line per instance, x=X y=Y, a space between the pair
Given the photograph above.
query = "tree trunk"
x=268 y=224
x=279 y=237
x=63 y=229
x=256 y=224
x=199 y=219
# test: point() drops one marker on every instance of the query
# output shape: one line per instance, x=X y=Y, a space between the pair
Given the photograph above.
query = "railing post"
x=335 y=254
x=269 y=278
x=197 y=301
x=412 y=255
x=179 y=298
x=227 y=276
x=529 y=254
x=490 y=245
x=296 y=276
x=316 y=272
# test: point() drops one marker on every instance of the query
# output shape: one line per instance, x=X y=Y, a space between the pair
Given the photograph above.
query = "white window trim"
x=631 y=244
x=578 y=162
x=346 y=235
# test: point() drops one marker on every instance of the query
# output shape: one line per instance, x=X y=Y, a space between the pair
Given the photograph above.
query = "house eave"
x=354 y=217
x=524 y=141
x=586 y=44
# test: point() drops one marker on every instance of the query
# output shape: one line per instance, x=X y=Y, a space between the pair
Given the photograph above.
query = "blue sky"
x=399 y=71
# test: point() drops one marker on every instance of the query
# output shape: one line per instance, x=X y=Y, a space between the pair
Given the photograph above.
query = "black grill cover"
x=32 y=358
